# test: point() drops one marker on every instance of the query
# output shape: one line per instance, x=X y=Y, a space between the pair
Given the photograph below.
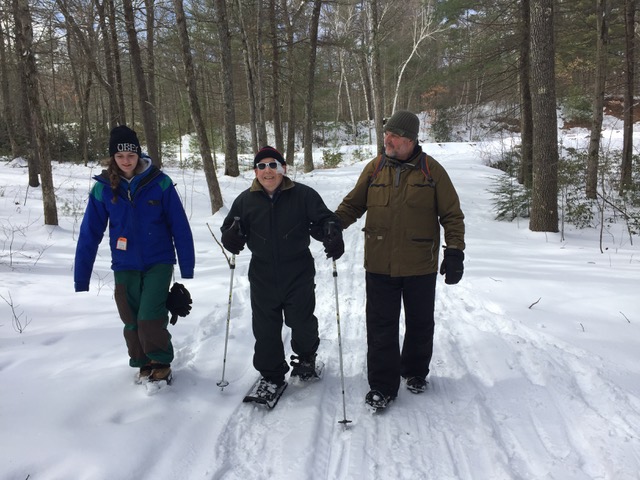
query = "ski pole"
x=335 y=285
x=232 y=266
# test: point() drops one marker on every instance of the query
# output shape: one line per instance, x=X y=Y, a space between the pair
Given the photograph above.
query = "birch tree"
x=423 y=26
x=375 y=72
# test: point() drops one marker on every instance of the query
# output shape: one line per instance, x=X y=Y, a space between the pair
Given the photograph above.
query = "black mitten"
x=333 y=241
x=233 y=239
x=178 y=302
x=452 y=267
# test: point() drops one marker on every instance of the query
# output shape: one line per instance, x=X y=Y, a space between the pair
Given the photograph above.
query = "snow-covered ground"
x=535 y=373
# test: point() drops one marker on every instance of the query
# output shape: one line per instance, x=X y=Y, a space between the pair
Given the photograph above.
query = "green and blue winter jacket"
x=147 y=225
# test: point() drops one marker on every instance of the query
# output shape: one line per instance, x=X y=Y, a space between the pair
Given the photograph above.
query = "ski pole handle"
x=330 y=227
x=236 y=221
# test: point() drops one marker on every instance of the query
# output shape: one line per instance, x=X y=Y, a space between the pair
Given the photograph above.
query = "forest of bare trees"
x=70 y=70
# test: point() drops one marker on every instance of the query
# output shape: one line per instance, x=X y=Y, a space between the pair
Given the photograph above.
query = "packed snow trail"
x=503 y=402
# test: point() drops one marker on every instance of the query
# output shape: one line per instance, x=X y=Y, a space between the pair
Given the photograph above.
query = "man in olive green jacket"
x=407 y=196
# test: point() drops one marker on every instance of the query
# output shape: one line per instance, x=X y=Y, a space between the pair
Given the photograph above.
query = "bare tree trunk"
x=275 y=69
x=112 y=39
x=627 y=142
x=147 y=109
x=308 y=105
x=343 y=79
x=365 y=81
x=91 y=56
x=251 y=72
x=28 y=142
x=258 y=64
x=83 y=93
x=526 y=120
x=24 y=30
x=602 y=20
x=544 y=194
x=190 y=80
x=151 y=68
x=230 y=137
x=6 y=97
x=116 y=117
x=291 y=108
x=375 y=71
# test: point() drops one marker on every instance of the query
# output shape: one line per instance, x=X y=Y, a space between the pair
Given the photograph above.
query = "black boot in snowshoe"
x=377 y=400
x=304 y=367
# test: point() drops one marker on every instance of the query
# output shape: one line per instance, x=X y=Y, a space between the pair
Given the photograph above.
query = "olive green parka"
x=405 y=208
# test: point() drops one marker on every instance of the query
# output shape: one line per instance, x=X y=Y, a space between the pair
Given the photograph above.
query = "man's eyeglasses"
x=271 y=165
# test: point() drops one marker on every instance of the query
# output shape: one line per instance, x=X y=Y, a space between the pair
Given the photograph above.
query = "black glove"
x=233 y=239
x=452 y=267
x=332 y=241
x=178 y=302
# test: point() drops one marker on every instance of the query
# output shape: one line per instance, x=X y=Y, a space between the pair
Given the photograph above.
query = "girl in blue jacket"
x=147 y=226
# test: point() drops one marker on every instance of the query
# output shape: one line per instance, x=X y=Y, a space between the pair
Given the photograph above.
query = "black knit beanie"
x=123 y=139
x=403 y=123
x=268 y=152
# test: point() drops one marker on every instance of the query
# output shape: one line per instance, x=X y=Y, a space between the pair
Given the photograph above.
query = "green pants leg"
x=141 y=298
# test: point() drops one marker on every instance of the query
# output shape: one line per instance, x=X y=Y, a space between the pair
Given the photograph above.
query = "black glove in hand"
x=233 y=239
x=333 y=243
x=178 y=302
x=452 y=266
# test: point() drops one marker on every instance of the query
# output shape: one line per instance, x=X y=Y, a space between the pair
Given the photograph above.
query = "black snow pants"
x=287 y=289
x=386 y=363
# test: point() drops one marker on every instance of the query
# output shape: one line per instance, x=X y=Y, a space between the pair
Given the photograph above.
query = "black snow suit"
x=282 y=271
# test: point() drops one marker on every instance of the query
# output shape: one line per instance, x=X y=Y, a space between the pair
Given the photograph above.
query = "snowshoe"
x=265 y=392
x=377 y=400
x=416 y=384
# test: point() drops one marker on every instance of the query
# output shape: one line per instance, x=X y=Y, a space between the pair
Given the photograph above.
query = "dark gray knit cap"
x=403 y=123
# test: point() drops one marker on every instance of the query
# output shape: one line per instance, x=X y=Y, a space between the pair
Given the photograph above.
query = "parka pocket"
x=421 y=195
x=378 y=195
x=376 y=249
x=420 y=250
